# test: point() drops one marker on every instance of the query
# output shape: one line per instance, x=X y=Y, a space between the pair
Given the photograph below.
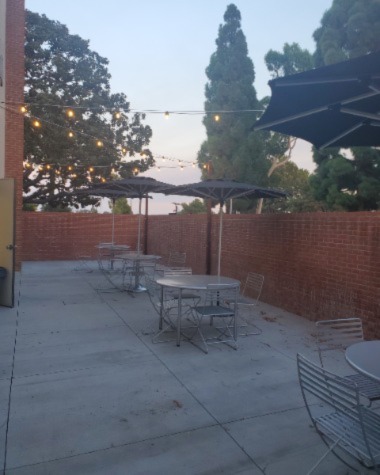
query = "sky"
x=158 y=51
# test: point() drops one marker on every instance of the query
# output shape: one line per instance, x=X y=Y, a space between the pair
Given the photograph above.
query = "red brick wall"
x=14 y=94
x=318 y=265
x=66 y=236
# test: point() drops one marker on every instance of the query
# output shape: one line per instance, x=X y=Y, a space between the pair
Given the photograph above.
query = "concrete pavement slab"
x=73 y=412
x=202 y=451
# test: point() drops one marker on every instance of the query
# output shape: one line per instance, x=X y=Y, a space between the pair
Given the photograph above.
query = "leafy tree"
x=121 y=206
x=348 y=29
x=197 y=206
x=296 y=182
x=283 y=173
x=292 y=60
x=63 y=77
x=231 y=149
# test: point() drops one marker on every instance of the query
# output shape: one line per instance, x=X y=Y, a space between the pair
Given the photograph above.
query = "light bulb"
x=166 y=115
x=99 y=143
x=217 y=117
x=70 y=113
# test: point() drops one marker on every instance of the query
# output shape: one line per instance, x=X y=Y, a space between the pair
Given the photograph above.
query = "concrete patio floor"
x=83 y=390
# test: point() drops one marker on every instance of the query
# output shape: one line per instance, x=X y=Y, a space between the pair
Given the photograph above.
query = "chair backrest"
x=338 y=334
x=253 y=285
x=176 y=258
x=219 y=294
x=178 y=271
x=333 y=404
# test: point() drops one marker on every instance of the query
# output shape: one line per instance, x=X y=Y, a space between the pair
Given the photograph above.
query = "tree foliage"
x=63 y=74
x=197 y=206
x=351 y=182
x=121 y=206
x=292 y=60
x=350 y=28
x=232 y=150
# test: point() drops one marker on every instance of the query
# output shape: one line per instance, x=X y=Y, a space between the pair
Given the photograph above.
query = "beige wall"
x=2 y=87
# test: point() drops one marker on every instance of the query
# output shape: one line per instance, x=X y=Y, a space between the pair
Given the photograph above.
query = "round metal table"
x=190 y=282
x=365 y=358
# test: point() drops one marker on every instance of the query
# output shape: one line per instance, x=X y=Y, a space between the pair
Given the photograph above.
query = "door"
x=7 y=233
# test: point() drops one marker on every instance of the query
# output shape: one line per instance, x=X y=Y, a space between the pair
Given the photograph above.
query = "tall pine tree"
x=232 y=150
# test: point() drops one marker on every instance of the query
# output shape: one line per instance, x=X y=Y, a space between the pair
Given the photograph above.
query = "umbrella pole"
x=139 y=227
x=220 y=236
x=113 y=220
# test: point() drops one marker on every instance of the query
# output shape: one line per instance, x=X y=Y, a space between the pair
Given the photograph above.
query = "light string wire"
x=5 y=105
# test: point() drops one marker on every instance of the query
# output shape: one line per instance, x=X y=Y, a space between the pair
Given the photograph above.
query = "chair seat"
x=245 y=301
x=366 y=386
x=339 y=425
x=214 y=310
x=185 y=295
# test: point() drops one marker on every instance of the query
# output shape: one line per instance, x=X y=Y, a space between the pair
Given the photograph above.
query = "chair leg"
x=246 y=323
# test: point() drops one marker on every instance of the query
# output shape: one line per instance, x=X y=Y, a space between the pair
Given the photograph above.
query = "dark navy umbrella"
x=332 y=106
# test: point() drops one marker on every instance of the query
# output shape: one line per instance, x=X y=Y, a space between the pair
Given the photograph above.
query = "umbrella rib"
x=356 y=113
x=292 y=117
x=366 y=95
x=338 y=137
x=315 y=111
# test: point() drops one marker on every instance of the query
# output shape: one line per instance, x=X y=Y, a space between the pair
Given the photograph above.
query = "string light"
x=166 y=115
x=217 y=117
x=37 y=123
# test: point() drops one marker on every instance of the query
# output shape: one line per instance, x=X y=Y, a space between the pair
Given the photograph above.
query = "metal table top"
x=194 y=281
x=365 y=358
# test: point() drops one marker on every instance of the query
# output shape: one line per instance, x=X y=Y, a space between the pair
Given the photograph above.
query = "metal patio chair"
x=247 y=300
x=175 y=260
x=335 y=336
x=192 y=297
x=335 y=409
x=217 y=304
x=165 y=308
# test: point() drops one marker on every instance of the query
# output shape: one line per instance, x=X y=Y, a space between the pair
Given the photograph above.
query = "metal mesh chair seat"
x=214 y=306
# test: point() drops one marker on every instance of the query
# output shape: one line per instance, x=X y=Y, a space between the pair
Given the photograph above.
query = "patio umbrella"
x=332 y=106
x=112 y=195
x=138 y=187
x=221 y=191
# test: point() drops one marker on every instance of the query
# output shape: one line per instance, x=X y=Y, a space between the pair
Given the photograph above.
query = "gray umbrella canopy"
x=137 y=187
x=112 y=195
x=332 y=106
x=221 y=191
